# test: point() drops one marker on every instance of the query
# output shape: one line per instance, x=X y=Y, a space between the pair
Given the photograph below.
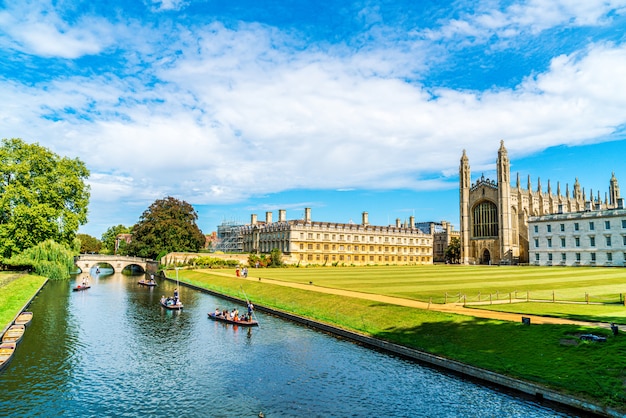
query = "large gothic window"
x=485 y=220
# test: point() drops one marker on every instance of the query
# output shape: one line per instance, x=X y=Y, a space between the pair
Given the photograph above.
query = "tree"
x=42 y=196
x=89 y=244
x=276 y=257
x=109 y=237
x=168 y=225
x=48 y=258
x=453 y=251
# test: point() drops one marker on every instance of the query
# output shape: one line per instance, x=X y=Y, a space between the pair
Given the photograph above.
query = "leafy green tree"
x=48 y=259
x=168 y=225
x=453 y=251
x=89 y=244
x=42 y=196
x=109 y=237
x=276 y=258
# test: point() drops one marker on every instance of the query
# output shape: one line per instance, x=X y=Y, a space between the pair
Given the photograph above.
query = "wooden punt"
x=24 y=318
x=146 y=283
x=220 y=318
x=6 y=353
x=174 y=307
x=14 y=334
x=79 y=288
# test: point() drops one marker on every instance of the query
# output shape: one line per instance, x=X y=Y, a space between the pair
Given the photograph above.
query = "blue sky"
x=244 y=107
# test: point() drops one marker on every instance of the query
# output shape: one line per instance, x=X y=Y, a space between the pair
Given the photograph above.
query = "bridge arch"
x=118 y=262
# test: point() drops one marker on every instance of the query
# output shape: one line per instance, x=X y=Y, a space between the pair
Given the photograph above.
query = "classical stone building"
x=494 y=213
x=588 y=238
x=303 y=241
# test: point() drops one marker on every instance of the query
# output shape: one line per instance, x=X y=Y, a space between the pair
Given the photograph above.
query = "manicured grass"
x=15 y=291
x=551 y=355
x=576 y=311
x=474 y=283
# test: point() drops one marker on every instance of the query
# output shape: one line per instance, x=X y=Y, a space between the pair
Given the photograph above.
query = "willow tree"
x=48 y=259
x=42 y=197
x=168 y=225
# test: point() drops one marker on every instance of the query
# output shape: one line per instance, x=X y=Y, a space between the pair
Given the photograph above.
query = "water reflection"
x=112 y=350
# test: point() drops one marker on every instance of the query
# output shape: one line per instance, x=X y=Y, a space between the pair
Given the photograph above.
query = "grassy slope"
x=14 y=293
x=548 y=354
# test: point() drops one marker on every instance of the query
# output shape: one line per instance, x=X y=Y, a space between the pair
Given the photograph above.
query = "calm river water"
x=112 y=351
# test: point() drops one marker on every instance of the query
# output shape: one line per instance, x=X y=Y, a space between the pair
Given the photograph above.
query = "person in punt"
x=217 y=312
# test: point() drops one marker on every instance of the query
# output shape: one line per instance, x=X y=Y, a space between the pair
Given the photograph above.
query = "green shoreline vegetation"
x=16 y=289
x=550 y=355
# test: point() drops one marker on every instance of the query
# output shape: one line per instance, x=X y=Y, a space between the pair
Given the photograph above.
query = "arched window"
x=485 y=220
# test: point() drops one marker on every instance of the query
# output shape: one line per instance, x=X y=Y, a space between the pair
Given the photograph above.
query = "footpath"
x=456 y=308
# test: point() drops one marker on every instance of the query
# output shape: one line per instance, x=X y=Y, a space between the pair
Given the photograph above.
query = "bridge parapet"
x=118 y=262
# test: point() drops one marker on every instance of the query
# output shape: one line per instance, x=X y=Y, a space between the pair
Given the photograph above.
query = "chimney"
x=398 y=223
x=282 y=215
x=620 y=203
x=253 y=219
x=412 y=222
x=365 y=219
x=268 y=217
x=587 y=206
x=307 y=214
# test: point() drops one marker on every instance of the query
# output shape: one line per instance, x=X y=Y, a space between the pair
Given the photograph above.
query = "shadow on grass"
x=551 y=355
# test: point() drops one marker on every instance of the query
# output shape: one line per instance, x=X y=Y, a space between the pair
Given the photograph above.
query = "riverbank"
x=17 y=290
x=548 y=361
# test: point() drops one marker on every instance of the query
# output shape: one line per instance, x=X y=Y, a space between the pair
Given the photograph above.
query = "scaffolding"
x=229 y=238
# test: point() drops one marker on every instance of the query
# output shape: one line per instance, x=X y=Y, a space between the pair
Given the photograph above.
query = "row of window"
x=361 y=238
x=364 y=248
x=608 y=241
x=577 y=256
x=371 y=258
x=592 y=226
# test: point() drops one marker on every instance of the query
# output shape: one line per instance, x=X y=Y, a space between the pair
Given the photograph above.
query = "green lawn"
x=433 y=283
x=551 y=355
x=15 y=291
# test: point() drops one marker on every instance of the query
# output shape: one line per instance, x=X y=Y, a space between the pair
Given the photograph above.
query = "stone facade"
x=589 y=238
x=306 y=242
x=494 y=213
x=443 y=232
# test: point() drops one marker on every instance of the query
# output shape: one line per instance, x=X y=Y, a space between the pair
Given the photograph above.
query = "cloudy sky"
x=248 y=106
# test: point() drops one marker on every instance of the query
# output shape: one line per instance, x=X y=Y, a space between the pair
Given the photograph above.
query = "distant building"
x=588 y=238
x=127 y=238
x=443 y=233
x=494 y=214
x=303 y=241
x=210 y=240
x=229 y=239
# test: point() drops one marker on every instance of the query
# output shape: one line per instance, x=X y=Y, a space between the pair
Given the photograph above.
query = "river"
x=112 y=350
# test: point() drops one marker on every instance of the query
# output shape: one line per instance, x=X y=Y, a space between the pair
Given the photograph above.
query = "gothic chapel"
x=494 y=214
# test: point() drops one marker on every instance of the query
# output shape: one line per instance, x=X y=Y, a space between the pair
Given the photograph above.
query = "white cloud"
x=532 y=17
x=36 y=28
x=228 y=113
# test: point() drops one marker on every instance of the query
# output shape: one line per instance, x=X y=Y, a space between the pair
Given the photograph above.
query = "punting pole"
x=248 y=302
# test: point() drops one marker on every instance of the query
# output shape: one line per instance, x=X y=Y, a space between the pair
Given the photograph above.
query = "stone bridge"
x=118 y=262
